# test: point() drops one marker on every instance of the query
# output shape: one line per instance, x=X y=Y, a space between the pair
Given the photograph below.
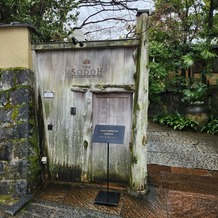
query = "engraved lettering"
x=99 y=70
x=93 y=71
x=86 y=72
x=80 y=72
x=73 y=71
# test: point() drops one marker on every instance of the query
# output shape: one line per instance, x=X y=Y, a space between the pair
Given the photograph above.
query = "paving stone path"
x=182 y=148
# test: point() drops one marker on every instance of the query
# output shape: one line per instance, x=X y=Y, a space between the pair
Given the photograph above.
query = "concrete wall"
x=15 y=47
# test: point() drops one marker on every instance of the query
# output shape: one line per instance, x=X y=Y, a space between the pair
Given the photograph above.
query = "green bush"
x=180 y=122
x=195 y=94
x=177 y=121
x=211 y=127
x=176 y=84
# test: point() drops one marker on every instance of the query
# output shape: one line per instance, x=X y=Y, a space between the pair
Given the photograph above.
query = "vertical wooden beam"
x=138 y=165
x=87 y=138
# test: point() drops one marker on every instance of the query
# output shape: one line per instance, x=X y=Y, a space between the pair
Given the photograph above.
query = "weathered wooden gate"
x=79 y=86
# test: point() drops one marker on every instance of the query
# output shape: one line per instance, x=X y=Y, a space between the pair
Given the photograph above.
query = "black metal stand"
x=107 y=198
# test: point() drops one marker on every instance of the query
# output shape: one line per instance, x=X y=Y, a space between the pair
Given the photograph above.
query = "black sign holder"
x=108 y=134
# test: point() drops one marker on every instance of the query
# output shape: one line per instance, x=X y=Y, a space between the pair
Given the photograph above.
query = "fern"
x=176 y=121
x=211 y=127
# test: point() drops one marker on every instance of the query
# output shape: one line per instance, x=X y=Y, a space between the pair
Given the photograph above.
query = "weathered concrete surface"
x=182 y=148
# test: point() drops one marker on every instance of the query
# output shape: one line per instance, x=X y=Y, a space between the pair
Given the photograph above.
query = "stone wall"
x=171 y=102
x=214 y=101
x=19 y=153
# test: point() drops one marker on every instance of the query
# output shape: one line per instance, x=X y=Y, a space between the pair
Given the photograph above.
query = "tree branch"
x=100 y=21
x=106 y=6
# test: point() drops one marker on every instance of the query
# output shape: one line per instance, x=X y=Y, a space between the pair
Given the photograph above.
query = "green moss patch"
x=8 y=200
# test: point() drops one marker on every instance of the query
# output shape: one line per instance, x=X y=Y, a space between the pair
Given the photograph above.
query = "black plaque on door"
x=108 y=134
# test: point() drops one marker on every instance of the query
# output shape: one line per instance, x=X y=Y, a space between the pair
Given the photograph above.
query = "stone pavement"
x=182 y=148
x=182 y=177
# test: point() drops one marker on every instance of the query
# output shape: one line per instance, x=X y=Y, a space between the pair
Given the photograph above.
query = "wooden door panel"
x=112 y=109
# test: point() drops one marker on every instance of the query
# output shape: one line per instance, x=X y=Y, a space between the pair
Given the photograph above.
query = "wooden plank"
x=116 y=67
x=112 y=109
x=87 y=44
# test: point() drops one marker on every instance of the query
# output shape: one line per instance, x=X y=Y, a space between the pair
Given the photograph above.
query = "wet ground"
x=174 y=190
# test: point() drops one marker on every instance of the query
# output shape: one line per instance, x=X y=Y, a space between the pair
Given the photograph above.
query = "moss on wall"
x=19 y=131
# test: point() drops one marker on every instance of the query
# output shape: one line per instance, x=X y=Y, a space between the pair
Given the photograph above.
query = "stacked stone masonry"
x=19 y=163
x=171 y=102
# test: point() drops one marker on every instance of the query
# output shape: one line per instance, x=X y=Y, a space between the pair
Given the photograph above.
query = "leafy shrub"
x=176 y=121
x=180 y=122
x=156 y=81
x=195 y=94
x=176 y=84
x=211 y=127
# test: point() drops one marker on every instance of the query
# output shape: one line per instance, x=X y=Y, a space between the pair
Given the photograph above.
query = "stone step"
x=189 y=183
x=184 y=179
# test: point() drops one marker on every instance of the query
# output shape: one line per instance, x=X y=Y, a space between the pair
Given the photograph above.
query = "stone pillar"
x=15 y=46
x=20 y=169
x=138 y=165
